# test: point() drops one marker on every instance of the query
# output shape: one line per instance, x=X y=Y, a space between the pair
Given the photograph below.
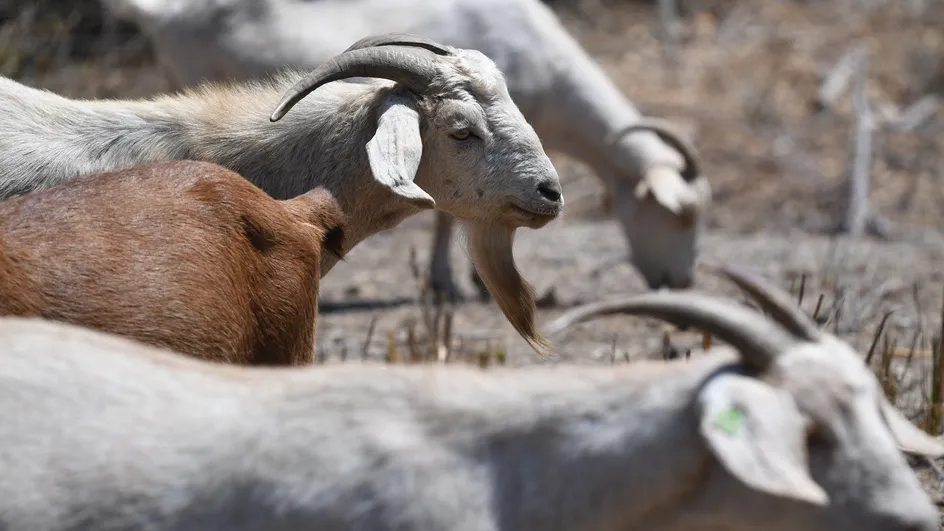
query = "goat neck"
x=584 y=106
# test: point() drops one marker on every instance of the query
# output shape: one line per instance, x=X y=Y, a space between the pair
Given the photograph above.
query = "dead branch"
x=837 y=80
x=857 y=215
x=917 y=114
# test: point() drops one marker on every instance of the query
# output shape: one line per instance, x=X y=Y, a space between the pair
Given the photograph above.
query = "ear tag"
x=730 y=420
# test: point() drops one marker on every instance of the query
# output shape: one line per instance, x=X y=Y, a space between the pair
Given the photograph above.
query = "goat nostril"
x=550 y=191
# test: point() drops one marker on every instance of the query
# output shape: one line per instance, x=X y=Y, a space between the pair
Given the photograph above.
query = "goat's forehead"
x=482 y=77
x=828 y=368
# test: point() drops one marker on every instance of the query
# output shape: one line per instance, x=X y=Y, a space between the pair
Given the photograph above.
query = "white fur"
x=97 y=432
x=322 y=141
x=570 y=101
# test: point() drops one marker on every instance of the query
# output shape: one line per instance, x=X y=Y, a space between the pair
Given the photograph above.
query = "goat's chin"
x=490 y=247
x=517 y=216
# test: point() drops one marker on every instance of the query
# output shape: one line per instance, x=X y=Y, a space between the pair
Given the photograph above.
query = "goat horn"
x=400 y=39
x=759 y=340
x=773 y=301
x=410 y=69
x=667 y=133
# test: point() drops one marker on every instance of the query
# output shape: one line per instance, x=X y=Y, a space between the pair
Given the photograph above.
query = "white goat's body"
x=791 y=433
x=100 y=433
x=562 y=92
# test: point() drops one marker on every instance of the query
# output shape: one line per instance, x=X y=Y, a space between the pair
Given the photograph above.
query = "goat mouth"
x=534 y=218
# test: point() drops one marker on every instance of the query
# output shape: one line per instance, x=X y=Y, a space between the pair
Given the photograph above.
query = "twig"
x=802 y=289
x=819 y=305
x=370 y=335
x=445 y=351
x=889 y=383
x=933 y=422
x=837 y=79
x=878 y=334
x=392 y=355
x=911 y=354
x=415 y=356
x=916 y=114
x=858 y=209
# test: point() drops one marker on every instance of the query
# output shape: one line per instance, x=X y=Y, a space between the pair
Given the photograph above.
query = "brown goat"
x=183 y=255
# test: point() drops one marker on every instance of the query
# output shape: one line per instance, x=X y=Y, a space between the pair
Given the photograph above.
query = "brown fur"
x=183 y=255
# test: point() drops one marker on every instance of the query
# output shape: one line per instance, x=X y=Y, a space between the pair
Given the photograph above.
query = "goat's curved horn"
x=400 y=39
x=773 y=301
x=410 y=68
x=667 y=133
x=759 y=340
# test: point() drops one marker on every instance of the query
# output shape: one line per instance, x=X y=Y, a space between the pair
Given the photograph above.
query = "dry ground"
x=746 y=85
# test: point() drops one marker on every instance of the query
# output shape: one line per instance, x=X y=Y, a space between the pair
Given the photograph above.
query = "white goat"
x=660 y=197
x=446 y=135
x=97 y=432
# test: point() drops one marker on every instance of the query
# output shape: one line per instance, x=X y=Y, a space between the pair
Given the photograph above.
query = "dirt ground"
x=745 y=89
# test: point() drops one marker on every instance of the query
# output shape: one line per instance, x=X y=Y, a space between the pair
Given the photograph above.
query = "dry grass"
x=931 y=392
x=427 y=335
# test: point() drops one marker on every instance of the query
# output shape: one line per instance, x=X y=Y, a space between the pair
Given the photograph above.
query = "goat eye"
x=461 y=134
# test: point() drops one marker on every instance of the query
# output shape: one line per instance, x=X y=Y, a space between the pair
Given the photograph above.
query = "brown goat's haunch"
x=183 y=255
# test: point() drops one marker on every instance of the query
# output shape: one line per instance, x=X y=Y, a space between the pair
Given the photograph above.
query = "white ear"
x=757 y=434
x=396 y=149
x=908 y=437
x=668 y=188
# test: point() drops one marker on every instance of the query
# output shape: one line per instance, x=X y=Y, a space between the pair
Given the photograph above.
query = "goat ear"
x=909 y=438
x=396 y=149
x=668 y=188
x=757 y=434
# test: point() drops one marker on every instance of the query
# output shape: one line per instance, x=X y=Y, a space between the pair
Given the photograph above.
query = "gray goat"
x=446 y=135
x=659 y=194
x=792 y=434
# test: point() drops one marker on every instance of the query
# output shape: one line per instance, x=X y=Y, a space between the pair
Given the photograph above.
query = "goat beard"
x=490 y=247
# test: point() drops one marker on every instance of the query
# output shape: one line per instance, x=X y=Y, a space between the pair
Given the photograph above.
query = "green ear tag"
x=730 y=420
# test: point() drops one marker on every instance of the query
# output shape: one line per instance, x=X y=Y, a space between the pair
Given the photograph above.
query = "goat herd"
x=151 y=250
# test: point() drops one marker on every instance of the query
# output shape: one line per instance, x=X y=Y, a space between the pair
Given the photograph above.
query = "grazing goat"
x=183 y=255
x=793 y=434
x=659 y=194
x=443 y=134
